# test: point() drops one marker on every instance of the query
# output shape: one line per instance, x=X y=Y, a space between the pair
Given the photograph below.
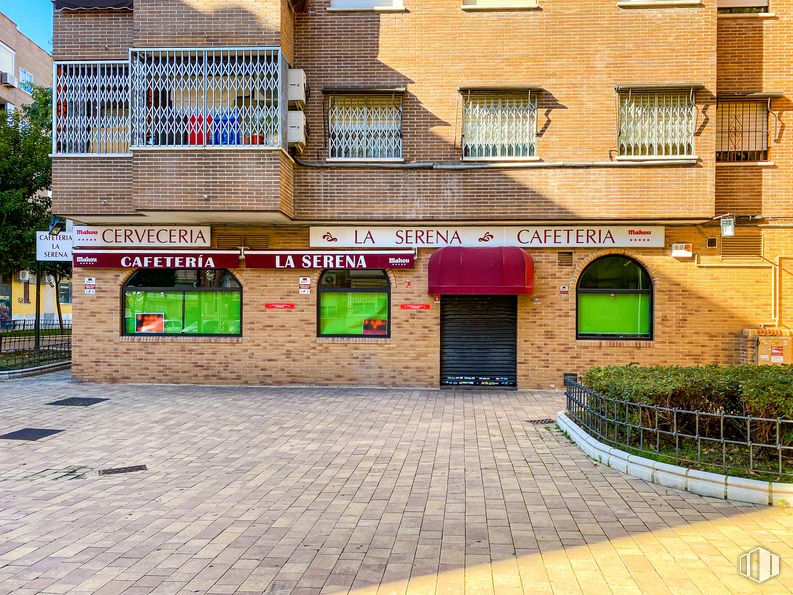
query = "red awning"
x=481 y=271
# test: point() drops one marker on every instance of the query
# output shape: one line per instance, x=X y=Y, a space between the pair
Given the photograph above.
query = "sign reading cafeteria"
x=299 y=259
x=132 y=235
x=610 y=236
x=157 y=259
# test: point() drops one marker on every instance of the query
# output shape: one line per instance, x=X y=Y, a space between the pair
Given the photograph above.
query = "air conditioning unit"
x=297 y=89
x=296 y=128
x=7 y=79
x=23 y=276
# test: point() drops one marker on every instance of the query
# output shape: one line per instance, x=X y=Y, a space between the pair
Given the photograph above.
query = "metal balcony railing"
x=227 y=97
x=499 y=126
x=91 y=108
x=656 y=124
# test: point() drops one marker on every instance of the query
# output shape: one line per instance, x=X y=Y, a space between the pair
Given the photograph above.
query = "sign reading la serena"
x=602 y=236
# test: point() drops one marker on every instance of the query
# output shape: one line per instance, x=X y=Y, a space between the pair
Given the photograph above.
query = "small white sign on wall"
x=90 y=286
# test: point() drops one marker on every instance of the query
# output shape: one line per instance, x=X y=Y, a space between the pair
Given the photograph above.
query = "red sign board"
x=313 y=259
x=279 y=306
x=414 y=306
x=157 y=259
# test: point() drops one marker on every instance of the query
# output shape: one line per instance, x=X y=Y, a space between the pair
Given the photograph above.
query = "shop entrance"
x=479 y=336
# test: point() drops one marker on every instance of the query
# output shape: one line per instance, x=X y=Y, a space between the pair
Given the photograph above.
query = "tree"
x=25 y=176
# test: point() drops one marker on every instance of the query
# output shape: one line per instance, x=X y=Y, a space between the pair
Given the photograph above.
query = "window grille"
x=742 y=131
x=206 y=97
x=91 y=108
x=656 y=124
x=499 y=126
x=365 y=127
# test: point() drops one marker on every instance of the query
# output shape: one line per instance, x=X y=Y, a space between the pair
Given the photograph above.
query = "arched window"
x=615 y=300
x=182 y=302
x=354 y=303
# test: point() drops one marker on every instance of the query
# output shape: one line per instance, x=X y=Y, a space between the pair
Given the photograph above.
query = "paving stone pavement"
x=275 y=490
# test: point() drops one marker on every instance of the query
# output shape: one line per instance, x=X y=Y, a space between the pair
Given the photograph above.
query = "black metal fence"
x=732 y=443
x=21 y=348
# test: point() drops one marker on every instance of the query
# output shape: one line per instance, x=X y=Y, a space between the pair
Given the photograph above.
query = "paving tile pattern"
x=263 y=490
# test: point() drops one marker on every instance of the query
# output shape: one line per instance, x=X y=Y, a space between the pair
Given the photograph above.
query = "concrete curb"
x=713 y=485
x=12 y=374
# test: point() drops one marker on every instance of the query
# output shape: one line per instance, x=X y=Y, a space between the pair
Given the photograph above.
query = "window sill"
x=745 y=164
x=605 y=342
x=349 y=340
x=505 y=160
x=658 y=3
x=374 y=9
x=500 y=7
x=341 y=160
x=179 y=338
x=747 y=15
x=683 y=159
x=89 y=155
x=205 y=148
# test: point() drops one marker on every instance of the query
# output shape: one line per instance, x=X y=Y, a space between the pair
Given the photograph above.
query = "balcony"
x=193 y=130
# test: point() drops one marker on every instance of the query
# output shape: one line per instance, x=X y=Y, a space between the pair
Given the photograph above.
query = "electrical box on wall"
x=773 y=350
x=682 y=250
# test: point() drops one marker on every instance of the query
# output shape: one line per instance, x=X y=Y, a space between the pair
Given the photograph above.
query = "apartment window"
x=182 y=302
x=656 y=124
x=26 y=292
x=365 y=127
x=65 y=292
x=615 y=300
x=742 y=6
x=217 y=98
x=741 y=131
x=91 y=108
x=6 y=60
x=366 y=4
x=25 y=81
x=499 y=126
x=354 y=303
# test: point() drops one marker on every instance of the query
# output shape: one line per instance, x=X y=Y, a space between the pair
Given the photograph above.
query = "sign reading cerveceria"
x=136 y=235
x=602 y=236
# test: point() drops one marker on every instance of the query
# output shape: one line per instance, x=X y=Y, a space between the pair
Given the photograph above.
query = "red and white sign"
x=157 y=259
x=414 y=306
x=778 y=354
x=144 y=236
x=279 y=306
x=300 y=259
x=603 y=236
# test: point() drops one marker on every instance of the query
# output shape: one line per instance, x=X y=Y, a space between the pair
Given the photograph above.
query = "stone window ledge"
x=349 y=340
x=179 y=339
x=657 y=3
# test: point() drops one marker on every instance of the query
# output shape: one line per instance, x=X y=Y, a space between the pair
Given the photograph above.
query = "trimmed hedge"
x=756 y=391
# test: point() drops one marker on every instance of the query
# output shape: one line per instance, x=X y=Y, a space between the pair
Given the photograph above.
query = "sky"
x=33 y=18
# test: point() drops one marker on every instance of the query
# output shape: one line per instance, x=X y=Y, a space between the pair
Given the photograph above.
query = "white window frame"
x=492 y=128
x=647 y=132
x=12 y=71
x=366 y=5
x=499 y=4
x=25 y=74
x=362 y=141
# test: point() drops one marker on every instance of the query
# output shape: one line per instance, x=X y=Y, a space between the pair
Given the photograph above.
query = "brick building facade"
x=646 y=122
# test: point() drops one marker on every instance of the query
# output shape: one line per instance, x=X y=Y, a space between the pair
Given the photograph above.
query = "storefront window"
x=354 y=303
x=182 y=302
x=615 y=300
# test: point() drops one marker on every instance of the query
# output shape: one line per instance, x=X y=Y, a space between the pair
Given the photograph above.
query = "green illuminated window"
x=354 y=303
x=615 y=300
x=182 y=302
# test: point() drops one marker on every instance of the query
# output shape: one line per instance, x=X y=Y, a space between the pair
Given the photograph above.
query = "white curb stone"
x=704 y=483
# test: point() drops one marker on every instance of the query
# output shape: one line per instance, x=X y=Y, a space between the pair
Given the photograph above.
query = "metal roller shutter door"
x=479 y=340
